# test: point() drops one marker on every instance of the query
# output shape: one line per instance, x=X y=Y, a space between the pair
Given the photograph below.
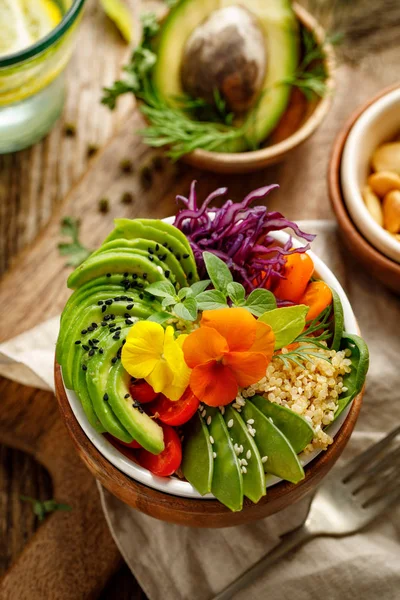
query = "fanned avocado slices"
x=293 y=426
x=281 y=459
x=197 y=456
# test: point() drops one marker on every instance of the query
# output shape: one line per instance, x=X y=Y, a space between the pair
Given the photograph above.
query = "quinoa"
x=311 y=391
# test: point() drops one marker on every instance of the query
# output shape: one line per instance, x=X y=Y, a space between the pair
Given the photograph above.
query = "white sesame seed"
x=203 y=414
x=264 y=459
x=244 y=470
x=230 y=423
x=159 y=269
x=248 y=454
x=250 y=421
x=244 y=462
x=209 y=420
x=214 y=455
x=211 y=439
x=222 y=409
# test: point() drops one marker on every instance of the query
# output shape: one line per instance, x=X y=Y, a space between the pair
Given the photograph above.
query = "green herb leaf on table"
x=286 y=323
x=217 y=271
x=236 y=293
x=161 y=289
x=211 y=300
x=74 y=249
x=187 y=310
x=41 y=508
x=121 y=15
x=260 y=301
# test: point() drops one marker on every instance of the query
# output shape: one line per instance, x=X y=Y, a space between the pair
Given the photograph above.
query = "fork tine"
x=361 y=461
x=377 y=474
x=379 y=503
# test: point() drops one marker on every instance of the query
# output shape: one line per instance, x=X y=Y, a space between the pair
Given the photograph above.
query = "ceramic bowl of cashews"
x=370 y=174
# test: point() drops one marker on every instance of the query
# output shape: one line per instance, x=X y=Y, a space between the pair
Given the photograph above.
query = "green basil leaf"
x=160 y=317
x=200 y=286
x=168 y=301
x=260 y=301
x=121 y=15
x=218 y=272
x=354 y=380
x=211 y=300
x=186 y=310
x=286 y=323
x=236 y=293
x=163 y=289
x=183 y=292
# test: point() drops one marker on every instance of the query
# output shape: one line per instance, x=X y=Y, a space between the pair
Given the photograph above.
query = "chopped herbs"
x=69 y=130
x=127 y=198
x=76 y=251
x=126 y=165
x=104 y=205
x=42 y=508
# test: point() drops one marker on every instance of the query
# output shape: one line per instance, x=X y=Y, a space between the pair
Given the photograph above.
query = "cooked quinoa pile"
x=311 y=391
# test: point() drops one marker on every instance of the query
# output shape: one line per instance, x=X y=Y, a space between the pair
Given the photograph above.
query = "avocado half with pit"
x=245 y=50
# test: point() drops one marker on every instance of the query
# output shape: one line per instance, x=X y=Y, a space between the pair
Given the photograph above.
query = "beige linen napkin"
x=179 y=563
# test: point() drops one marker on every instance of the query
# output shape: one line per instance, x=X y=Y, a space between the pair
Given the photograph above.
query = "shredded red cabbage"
x=239 y=235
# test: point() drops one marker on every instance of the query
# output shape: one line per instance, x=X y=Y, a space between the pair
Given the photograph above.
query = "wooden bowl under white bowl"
x=174 y=500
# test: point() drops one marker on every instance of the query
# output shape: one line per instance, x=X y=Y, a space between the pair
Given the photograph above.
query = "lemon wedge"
x=24 y=22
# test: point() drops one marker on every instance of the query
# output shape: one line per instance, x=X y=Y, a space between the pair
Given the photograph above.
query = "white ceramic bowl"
x=378 y=124
x=175 y=486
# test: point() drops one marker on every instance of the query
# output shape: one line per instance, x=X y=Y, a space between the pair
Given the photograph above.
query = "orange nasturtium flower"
x=230 y=349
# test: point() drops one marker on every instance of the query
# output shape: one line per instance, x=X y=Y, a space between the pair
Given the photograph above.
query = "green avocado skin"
x=282 y=459
x=227 y=481
x=197 y=456
x=293 y=426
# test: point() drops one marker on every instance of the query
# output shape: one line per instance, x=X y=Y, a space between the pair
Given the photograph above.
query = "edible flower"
x=153 y=354
x=230 y=349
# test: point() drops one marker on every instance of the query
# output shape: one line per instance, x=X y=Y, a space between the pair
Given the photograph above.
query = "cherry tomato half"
x=298 y=270
x=142 y=391
x=169 y=460
x=178 y=412
x=317 y=296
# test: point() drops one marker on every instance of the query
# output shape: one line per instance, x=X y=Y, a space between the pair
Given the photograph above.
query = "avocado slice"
x=166 y=235
x=197 y=457
x=297 y=430
x=118 y=262
x=97 y=375
x=282 y=459
x=254 y=484
x=168 y=259
x=280 y=29
x=227 y=481
x=139 y=425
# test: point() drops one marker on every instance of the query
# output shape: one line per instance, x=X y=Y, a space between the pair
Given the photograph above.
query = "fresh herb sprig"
x=76 y=251
x=42 y=508
x=188 y=301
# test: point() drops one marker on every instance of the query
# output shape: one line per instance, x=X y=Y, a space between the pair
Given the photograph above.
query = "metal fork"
x=348 y=500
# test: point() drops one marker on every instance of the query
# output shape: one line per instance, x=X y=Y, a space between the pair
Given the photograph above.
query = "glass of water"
x=35 y=45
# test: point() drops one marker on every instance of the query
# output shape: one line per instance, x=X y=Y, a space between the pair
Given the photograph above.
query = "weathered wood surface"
x=33 y=184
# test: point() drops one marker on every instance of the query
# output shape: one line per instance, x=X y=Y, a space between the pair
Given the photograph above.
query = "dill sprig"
x=74 y=249
x=314 y=337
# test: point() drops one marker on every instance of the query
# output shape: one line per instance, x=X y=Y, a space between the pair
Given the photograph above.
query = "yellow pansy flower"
x=153 y=354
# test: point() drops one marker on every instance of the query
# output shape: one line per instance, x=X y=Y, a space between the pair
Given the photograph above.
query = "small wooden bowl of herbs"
x=229 y=89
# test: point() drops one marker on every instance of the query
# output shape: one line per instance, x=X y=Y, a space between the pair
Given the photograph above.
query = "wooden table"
x=33 y=183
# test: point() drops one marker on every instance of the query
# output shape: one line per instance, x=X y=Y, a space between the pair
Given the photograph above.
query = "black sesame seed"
x=128 y=299
x=90 y=343
x=114 y=360
x=150 y=250
x=104 y=323
x=117 y=298
x=127 y=396
x=126 y=315
x=101 y=351
x=134 y=276
x=116 y=336
x=78 y=342
x=95 y=341
x=100 y=302
x=123 y=342
x=129 y=306
x=103 y=308
x=83 y=331
x=85 y=347
x=151 y=257
x=124 y=282
x=141 y=296
x=107 y=317
x=112 y=317
x=140 y=286
x=108 y=275
x=108 y=302
x=157 y=247
x=144 y=275
x=170 y=249
x=112 y=329
x=91 y=352
x=186 y=256
x=178 y=256
x=126 y=274
x=165 y=244
x=167 y=273
x=105 y=397
x=84 y=368
x=94 y=325
x=129 y=322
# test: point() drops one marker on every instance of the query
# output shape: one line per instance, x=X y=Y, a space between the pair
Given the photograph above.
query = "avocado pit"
x=227 y=52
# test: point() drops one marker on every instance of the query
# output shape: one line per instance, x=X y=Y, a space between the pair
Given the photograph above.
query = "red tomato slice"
x=178 y=412
x=169 y=460
x=142 y=391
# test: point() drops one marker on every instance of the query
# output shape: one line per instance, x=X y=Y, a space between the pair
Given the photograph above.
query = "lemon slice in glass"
x=24 y=22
